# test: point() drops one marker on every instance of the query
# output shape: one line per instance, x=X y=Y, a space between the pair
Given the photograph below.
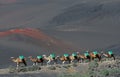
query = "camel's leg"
x=113 y=56
x=93 y=58
x=34 y=64
x=48 y=62
x=24 y=62
x=55 y=61
x=71 y=61
x=99 y=57
x=82 y=60
x=17 y=66
x=63 y=62
x=89 y=58
x=78 y=60
x=41 y=63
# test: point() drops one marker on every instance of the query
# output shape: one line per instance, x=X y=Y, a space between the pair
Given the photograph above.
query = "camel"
x=94 y=55
x=109 y=55
x=72 y=58
x=65 y=58
x=50 y=59
x=76 y=56
x=18 y=61
x=83 y=57
x=36 y=60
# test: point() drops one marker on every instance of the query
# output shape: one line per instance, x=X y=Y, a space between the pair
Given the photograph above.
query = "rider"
x=39 y=57
x=52 y=56
x=86 y=54
x=21 y=57
x=95 y=52
x=110 y=52
x=66 y=55
x=74 y=55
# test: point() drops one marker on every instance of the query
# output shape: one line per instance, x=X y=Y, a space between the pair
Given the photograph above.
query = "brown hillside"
x=39 y=38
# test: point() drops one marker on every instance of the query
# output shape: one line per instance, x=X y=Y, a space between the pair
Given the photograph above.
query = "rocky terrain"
x=106 y=68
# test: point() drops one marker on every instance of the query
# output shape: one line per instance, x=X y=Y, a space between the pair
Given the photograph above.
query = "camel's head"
x=44 y=55
x=12 y=57
x=78 y=53
x=61 y=57
x=102 y=52
x=58 y=57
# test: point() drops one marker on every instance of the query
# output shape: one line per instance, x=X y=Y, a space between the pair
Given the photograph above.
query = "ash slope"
x=81 y=22
x=28 y=42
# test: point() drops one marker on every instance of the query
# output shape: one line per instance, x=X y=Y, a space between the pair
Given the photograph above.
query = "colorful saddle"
x=52 y=55
x=110 y=52
x=74 y=54
x=39 y=57
x=21 y=57
x=66 y=55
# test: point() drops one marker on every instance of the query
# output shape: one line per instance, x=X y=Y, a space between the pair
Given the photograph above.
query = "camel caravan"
x=65 y=58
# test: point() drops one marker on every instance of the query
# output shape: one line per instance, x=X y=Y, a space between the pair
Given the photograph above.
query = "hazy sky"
x=7 y=1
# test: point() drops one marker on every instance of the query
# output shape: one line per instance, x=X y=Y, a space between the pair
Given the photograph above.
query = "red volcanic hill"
x=35 y=37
